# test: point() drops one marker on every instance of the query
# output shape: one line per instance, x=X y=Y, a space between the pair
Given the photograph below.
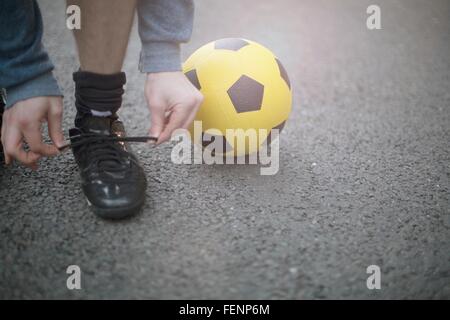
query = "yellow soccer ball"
x=244 y=86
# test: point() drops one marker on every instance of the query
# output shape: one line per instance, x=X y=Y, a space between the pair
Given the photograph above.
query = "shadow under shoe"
x=113 y=181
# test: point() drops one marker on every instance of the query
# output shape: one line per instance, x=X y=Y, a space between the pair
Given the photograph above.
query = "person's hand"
x=22 y=123
x=173 y=102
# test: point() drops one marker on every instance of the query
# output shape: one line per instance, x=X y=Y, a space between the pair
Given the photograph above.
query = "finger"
x=54 y=118
x=193 y=106
x=33 y=137
x=8 y=158
x=3 y=127
x=14 y=149
x=176 y=121
x=157 y=121
x=190 y=118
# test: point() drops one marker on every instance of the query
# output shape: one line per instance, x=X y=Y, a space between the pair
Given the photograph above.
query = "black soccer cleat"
x=113 y=181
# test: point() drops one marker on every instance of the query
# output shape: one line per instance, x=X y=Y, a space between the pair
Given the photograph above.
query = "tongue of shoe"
x=98 y=125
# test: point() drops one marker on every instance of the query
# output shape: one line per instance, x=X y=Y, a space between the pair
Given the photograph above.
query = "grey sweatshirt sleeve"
x=25 y=68
x=163 y=25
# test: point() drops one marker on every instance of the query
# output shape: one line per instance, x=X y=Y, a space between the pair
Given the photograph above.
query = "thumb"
x=54 y=125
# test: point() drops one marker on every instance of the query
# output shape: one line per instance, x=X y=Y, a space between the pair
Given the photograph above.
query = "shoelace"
x=92 y=137
x=103 y=150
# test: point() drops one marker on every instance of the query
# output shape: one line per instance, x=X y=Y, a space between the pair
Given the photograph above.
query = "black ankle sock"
x=98 y=94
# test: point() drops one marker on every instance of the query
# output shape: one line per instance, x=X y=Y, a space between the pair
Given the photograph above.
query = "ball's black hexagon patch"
x=233 y=44
x=193 y=78
x=208 y=139
x=283 y=73
x=246 y=94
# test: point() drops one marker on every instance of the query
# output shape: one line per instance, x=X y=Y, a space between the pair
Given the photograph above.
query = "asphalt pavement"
x=363 y=180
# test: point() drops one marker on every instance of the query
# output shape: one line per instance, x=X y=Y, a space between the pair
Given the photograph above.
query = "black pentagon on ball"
x=246 y=94
x=193 y=78
x=283 y=73
x=233 y=44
